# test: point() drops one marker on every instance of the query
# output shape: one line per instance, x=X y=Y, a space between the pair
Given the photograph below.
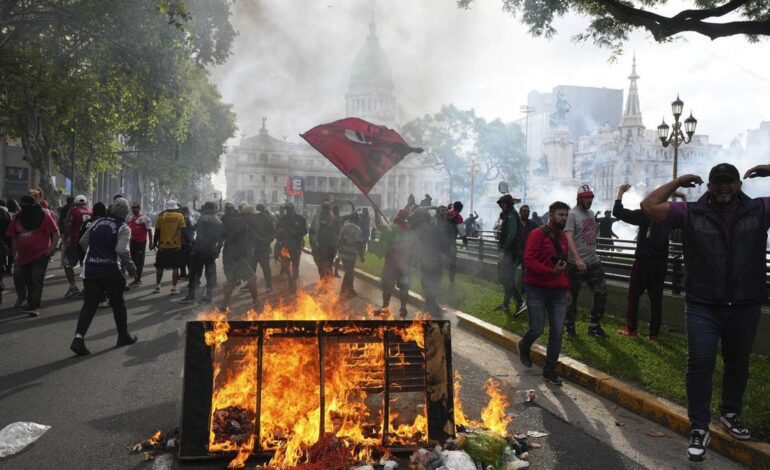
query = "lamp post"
x=473 y=168
x=677 y=137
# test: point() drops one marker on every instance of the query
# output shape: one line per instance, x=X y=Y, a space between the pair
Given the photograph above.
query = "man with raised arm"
x=724 y=236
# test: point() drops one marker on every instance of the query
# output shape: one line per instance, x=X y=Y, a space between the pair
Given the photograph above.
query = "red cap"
x=585 y=191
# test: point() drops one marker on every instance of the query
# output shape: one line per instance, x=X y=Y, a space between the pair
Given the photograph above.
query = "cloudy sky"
x=291 y=63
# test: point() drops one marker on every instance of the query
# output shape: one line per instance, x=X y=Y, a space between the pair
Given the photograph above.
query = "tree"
x=454 y=139
x=611 y=21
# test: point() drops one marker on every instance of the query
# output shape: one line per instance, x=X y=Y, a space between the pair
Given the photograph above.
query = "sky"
x=291 y=64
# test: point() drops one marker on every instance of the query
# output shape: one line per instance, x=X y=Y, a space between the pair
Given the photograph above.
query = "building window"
x=251 y=177
x=332 y=183
x=310 y=182
x=264 y=178
x=275 y=196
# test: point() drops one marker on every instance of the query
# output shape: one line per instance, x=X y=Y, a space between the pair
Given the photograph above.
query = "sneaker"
x=596 y=330
x=187 y=300
x=570 y=329
x=524 y=355
x=550 y=376
x=72 y=292
x=78 y=346
x=732 y=423
x=126 y=340
x=134 y=284
x=627 y=332
x=19 y=302
x=699 y=440
x=503 y=308
x=32 y=312
x=521 y=309
x=382 y=311
x=174 y=291
x=156 y=290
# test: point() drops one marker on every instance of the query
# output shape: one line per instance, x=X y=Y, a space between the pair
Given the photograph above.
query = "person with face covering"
x=34 y=237
x=429 y=255
x=107 y=249
x=323 y=240
x=238 y=259
x=584 y=264
x=290 y=233
x=547 y=288
x=725 y=242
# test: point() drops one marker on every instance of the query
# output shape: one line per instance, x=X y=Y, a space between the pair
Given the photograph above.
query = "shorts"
x=169 y=259
x=70 y=256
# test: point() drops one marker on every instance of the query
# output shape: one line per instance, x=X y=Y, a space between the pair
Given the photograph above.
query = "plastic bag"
x=458 y=460
x=17 y=436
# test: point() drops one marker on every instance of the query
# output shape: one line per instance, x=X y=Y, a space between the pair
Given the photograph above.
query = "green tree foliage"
x=454 y=139
x=93 y=76
x=611 y=21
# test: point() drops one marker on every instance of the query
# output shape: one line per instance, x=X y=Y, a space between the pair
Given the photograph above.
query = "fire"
x=290 y=407
x=460 y=418
x=155 y=439
x=493 y=415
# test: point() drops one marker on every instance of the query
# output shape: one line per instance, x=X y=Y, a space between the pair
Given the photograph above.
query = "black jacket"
x=652 y=241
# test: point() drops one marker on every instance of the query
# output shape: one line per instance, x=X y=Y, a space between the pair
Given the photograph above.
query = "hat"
x=209 y=206
x=119 y=208
x=80 y=199
x=248 y=209
x=171 y=205
x=726 y=171
x=505 y=199
x=585 y=191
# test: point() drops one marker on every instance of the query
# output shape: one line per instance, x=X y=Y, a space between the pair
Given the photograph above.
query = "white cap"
x=171 y=205
x=80 y=199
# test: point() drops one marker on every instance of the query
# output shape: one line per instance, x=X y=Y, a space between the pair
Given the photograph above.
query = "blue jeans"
x=736 y=326
x=544 y=301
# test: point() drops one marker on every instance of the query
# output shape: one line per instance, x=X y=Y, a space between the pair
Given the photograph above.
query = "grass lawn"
x=657 y=368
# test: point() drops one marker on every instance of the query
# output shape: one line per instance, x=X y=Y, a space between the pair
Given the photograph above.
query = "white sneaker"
x=174 y=291
x=699 y=441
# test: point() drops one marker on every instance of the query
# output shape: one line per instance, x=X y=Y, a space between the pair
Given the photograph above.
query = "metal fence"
x=617 y=258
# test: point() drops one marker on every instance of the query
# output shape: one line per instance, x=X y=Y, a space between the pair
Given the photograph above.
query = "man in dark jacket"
x=265 y=235
x=526 y=227
x=547 y=288
x=649 y=269
x=238 y=260
x=290 y=235
x=106 y=244
x=725 y=238
x=427 y=237
x=510 y=225
x=204 y=252
x=323 y=240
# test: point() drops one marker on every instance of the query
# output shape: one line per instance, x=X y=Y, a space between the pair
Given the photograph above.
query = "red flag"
x=363 y=151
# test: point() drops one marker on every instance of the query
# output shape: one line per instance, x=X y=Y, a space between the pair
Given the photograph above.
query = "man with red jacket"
x=140 y=232
x=547 y=281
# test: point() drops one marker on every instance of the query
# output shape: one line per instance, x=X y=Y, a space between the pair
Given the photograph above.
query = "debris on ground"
x=536 y=434
x=655 y=433
x=158 y=443
x=16 y=436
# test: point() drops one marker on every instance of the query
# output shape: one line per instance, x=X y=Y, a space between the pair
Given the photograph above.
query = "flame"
x=290 y=407
x=155 y=439
x=460 y=418
x=285 y=253
x=493 y=415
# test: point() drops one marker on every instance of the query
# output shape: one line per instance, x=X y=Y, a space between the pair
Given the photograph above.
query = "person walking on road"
x=238 y=259
x=430 y=257
x=107 y=248
x=547 y=289
x=140 y=232
x=396 y=271
x=526 y=227
x=584 y=264
x=70 y=256
x=649 y=269
x=34 y=237
x=265 y=229
x=290 y=234
x=204 y=253
x=349 y=247
x=509 y=228
x=725 y=243
x=188 y=236
x=323 y=240
x=168 y=241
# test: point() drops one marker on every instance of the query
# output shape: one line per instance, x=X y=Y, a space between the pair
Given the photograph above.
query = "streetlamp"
x=677 y=137
x=472 y=169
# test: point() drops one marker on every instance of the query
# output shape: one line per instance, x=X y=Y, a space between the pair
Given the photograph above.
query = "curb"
x=664 y=412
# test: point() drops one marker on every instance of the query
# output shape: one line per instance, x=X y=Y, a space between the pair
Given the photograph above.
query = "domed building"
x=257 y=170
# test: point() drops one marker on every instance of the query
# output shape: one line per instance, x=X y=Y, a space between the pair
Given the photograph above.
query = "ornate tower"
x=632 y=115
x=370 y=91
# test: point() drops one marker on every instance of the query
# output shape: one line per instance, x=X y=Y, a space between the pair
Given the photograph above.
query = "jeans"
x=198 y=263
x=137 y=256
x=31 y=277
x=551 y=303
x=93 y=294
x=506 y=274
x=736 y=326
x=594 y=277
x=646 y=274
x=347 y=279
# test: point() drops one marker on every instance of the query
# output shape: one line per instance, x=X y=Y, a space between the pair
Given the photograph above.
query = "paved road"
x=99 y=406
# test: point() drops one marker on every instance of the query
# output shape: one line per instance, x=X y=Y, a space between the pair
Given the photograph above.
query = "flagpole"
x=377 y=208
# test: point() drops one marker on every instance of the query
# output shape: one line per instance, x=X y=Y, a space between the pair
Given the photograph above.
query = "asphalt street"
x=100 y=405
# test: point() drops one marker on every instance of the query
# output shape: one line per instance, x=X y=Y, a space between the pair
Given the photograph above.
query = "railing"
x=617 y=258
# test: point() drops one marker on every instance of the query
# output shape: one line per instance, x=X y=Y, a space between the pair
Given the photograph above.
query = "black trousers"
x=347 y=279
x=31 y=276
x=199 y=263
x=646 y=274
x=137 y=256
x=263 y=259
x=93 y=293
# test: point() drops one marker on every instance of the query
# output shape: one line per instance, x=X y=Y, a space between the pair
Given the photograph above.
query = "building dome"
x=370 y=66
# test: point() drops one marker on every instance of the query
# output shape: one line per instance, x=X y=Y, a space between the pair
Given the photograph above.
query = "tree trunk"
x=37 y=151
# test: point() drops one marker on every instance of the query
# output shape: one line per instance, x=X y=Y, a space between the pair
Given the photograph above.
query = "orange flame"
x=460 y=418
x=493 y=415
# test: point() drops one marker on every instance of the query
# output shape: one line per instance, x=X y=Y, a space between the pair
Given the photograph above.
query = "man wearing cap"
x=75 y=218
x=140 y=232
x=106 y=244
x=168 y=241
x=510 y=226
x=584 y=264
x=725 y=238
